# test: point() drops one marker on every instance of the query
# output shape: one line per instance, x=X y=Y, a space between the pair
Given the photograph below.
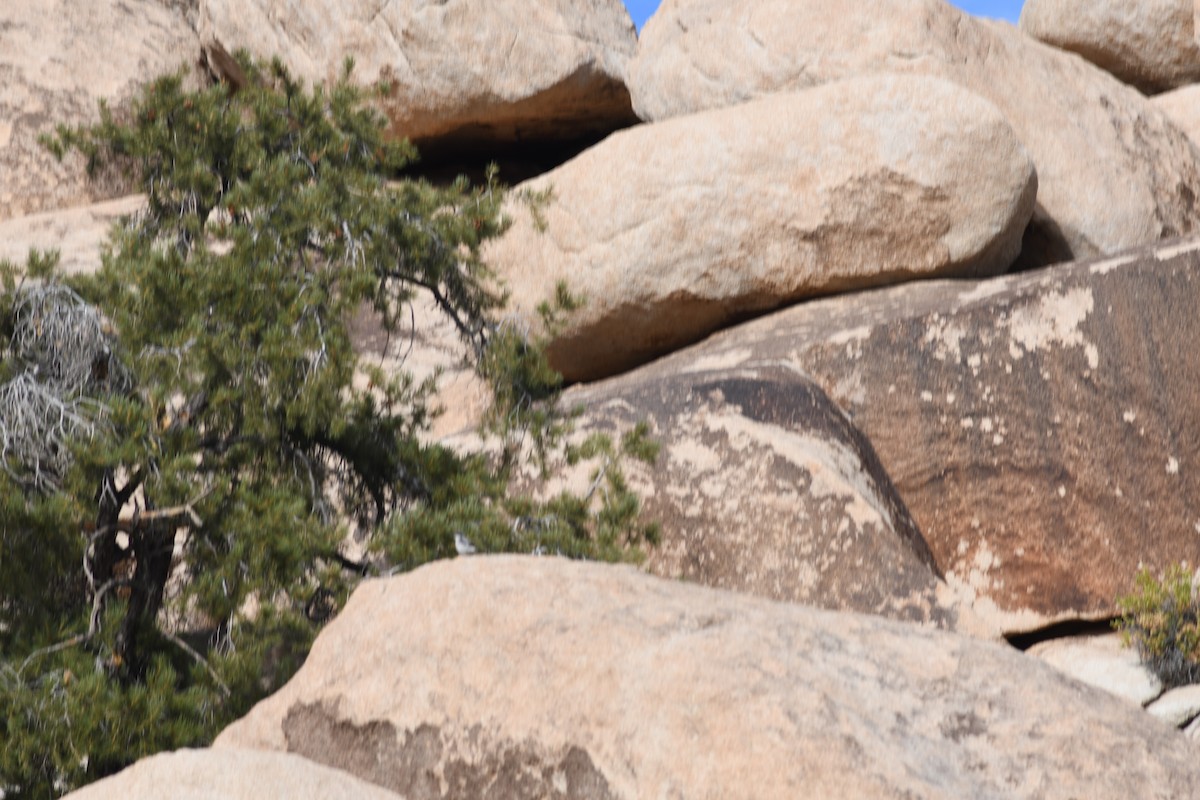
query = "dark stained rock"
x=1043 y=429
x=763 y=485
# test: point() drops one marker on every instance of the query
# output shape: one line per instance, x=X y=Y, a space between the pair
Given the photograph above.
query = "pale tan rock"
x=230 y=774
x=58 y=59
x=1149 y=44
x=1177 y=707
x=426 y=345
x=526 y=677
x=669 y=231
x=78 y=234
x=1183 y=107
x=1104 y=662
x=1112 y=171
x=473 y=70
x=762 y=485
x=1041 y=428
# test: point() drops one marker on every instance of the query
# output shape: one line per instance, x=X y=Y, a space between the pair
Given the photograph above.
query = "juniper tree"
x=185 y=446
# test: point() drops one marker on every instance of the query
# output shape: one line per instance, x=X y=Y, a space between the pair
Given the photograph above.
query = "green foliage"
x=64 y=726
x=186 y=446
x=1161 y=617
x=601 y=523
x=522 y=381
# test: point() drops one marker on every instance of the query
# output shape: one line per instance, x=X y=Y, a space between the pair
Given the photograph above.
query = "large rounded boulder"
x=1149 y=44
x=1113 y=172
x=670 y=231
x=763 y=485
x=460 y=74
x=537 y=678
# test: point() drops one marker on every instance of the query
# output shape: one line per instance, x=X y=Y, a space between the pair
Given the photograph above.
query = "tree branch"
x=187 y=648
x=54 y=648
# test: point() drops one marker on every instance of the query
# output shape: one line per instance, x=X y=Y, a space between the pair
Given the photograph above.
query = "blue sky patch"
x=641 y=10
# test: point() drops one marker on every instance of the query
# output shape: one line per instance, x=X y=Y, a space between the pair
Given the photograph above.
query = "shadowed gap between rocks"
x=520 y=139
x=469 y=153
x=1067 y=629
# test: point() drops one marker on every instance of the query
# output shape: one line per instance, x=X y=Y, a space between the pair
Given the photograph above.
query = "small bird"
x=463 y=545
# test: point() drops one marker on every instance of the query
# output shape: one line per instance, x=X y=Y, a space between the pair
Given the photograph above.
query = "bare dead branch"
x=98 y=604
x=37 y=425
x=54 y=648
x=67 y=341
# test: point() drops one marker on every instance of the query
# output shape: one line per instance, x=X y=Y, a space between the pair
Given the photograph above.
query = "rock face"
x=230 y=775
x=1087 y=133
x=1178 y=707
x=671 y=230
x=525 y=677
x=1104 y=662
x=1183 y=107
x=763 y=486
x=1042 y=428
x=426 y=344
x=463 y=73
x=77 y=233
x=58 y=59
x=1192 y=731
x=1149 y=44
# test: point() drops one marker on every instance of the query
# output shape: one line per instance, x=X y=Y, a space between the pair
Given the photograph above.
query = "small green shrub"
x=1161 y=617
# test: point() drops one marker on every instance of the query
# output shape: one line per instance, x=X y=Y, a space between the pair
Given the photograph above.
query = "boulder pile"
x=1149 y=44
x=463 y=79
x=907 y=297
x=1063 y=397
x=672 y=230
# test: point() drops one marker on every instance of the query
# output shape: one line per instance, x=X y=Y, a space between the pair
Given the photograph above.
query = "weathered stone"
x=1149 y=44
x=1177 y=707
x=1112 y=172
x=763 y=485
x=58 y=59
x=1042 y=429
x=78 y=234
x=230 y=774
x=1183 y=107
x=1192 y=731
x=426 y=345
x=526 y=677
x=671 y=230
x=463 y=74
x=1104 y=662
